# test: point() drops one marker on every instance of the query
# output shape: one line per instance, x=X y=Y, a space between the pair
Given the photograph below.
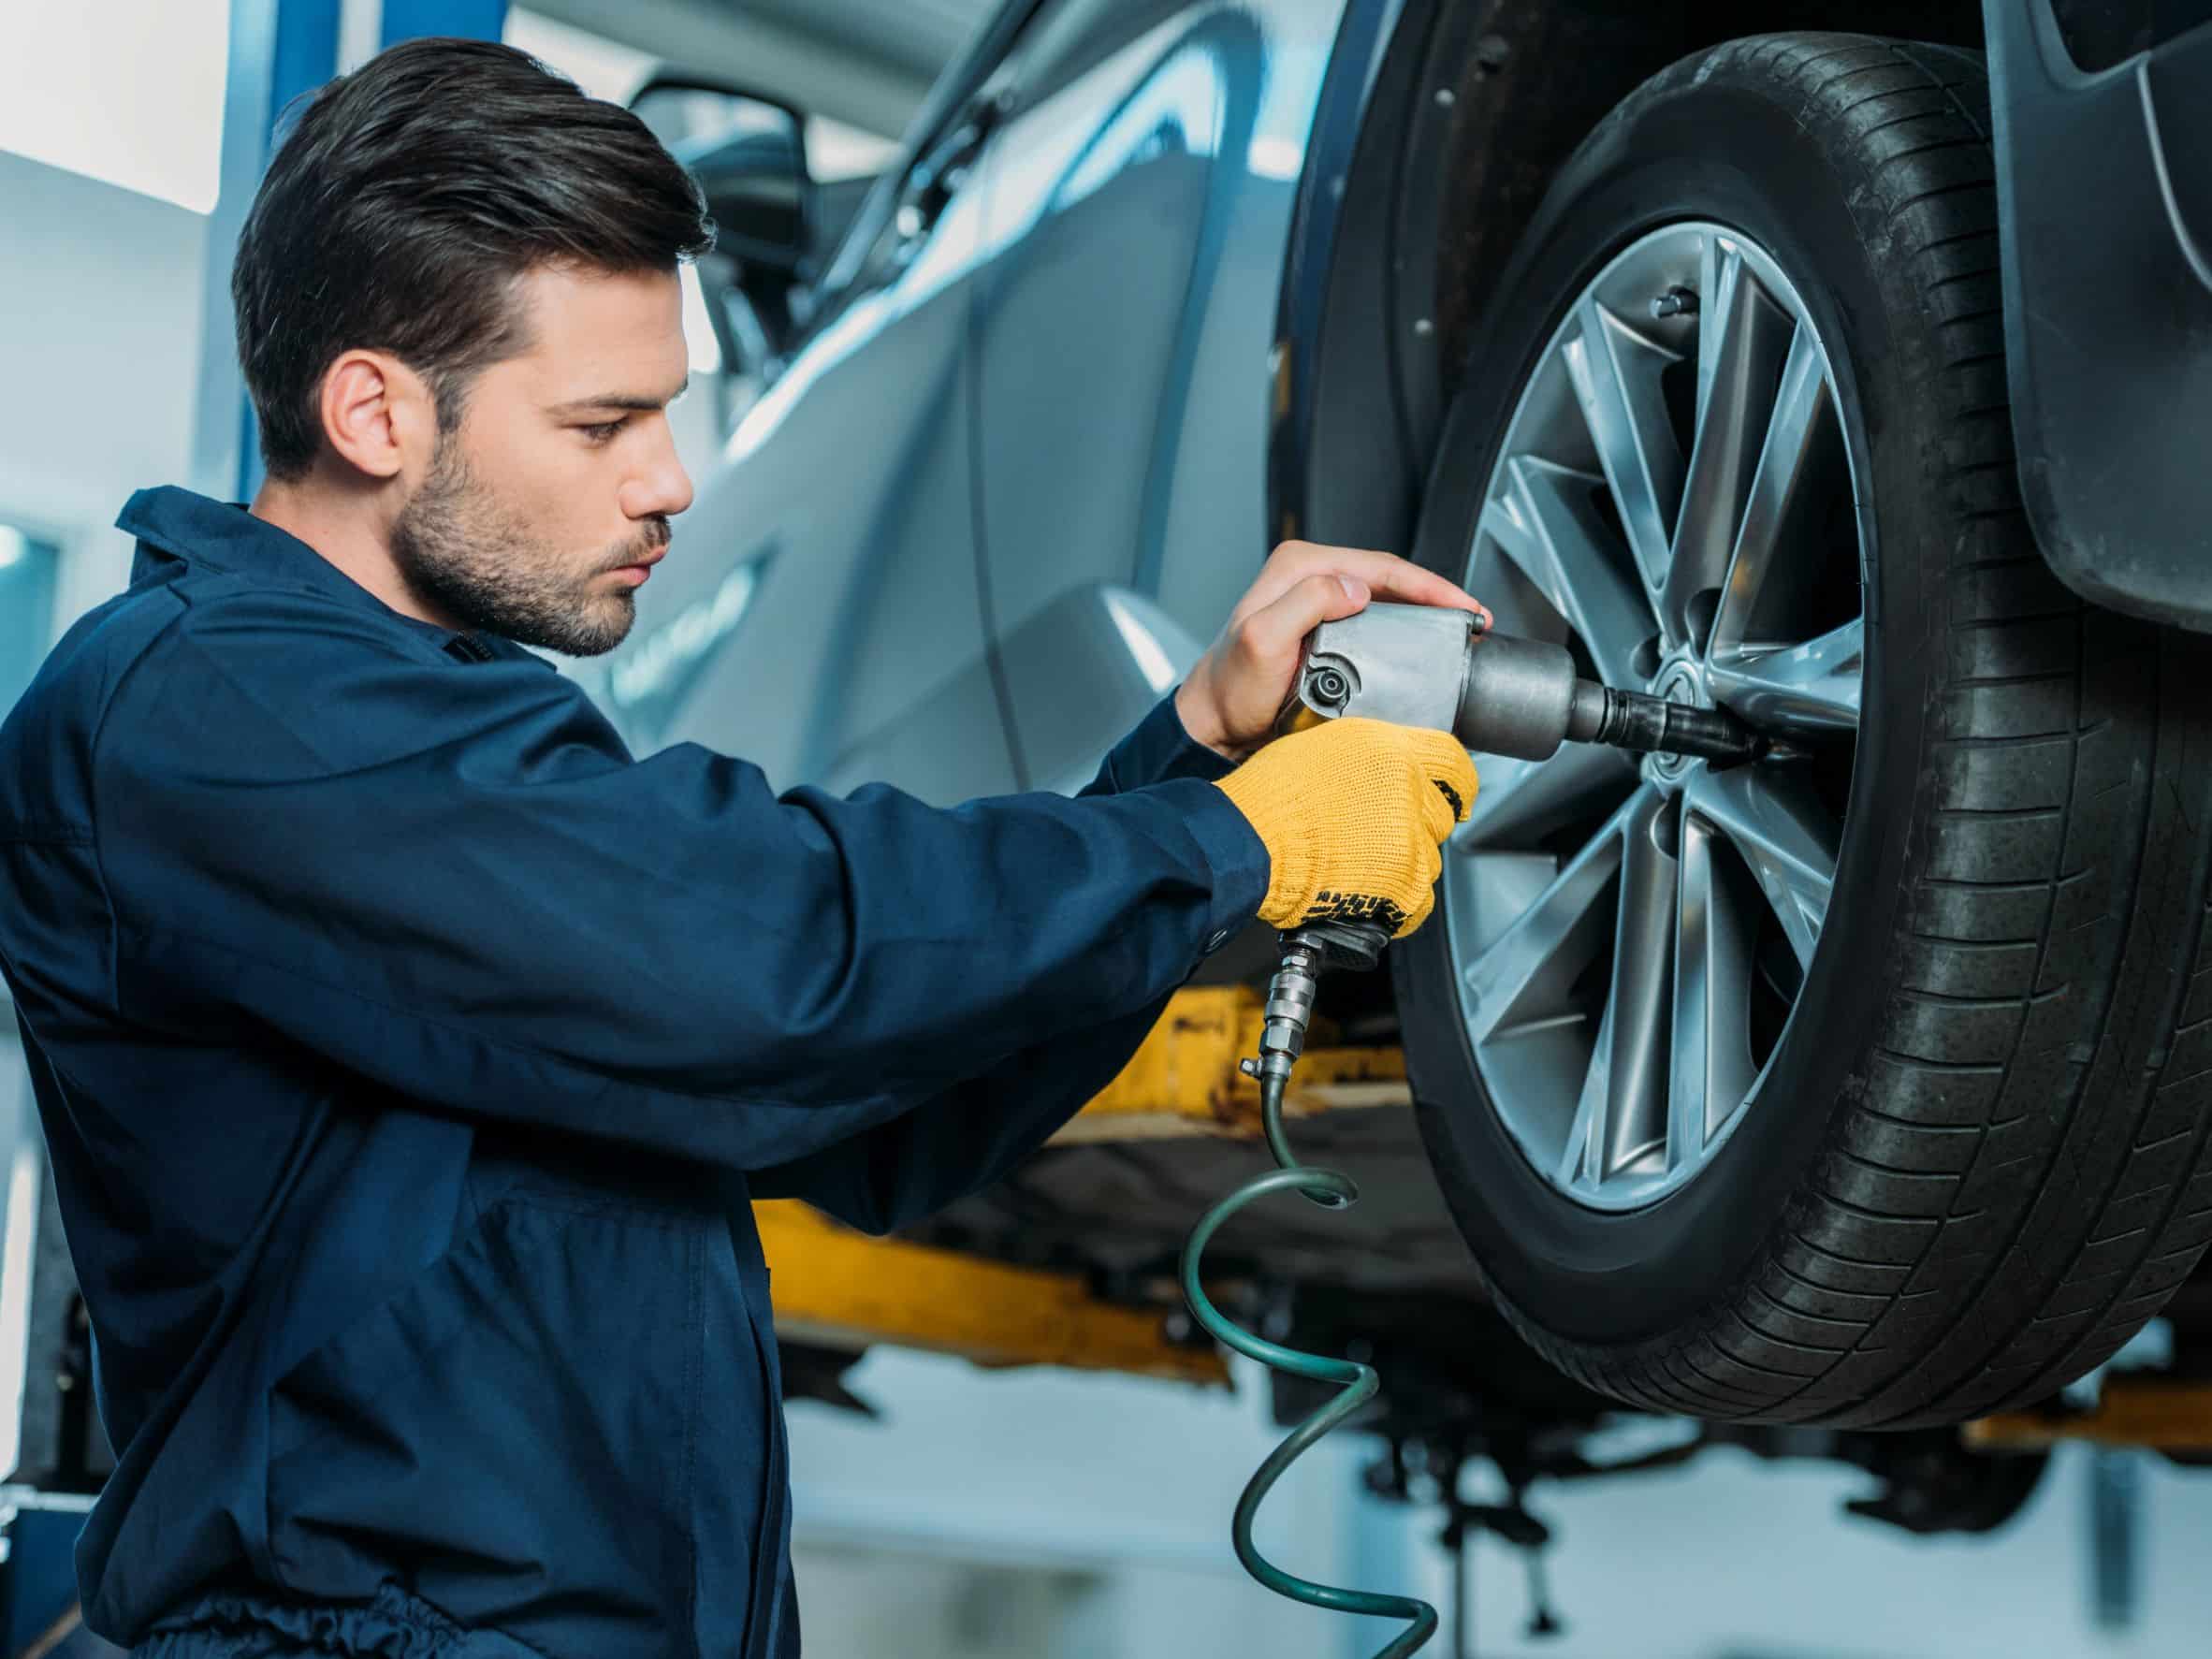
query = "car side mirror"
x=749 y=153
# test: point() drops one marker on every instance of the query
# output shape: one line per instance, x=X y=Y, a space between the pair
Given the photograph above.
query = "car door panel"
x=818 y=613
x=1141 y=188
x=1092 y=662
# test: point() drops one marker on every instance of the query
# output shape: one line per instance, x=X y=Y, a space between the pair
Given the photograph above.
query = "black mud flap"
x=2104 y=180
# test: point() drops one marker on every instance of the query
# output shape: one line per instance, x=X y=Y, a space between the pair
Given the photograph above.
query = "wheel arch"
x=1436 y=136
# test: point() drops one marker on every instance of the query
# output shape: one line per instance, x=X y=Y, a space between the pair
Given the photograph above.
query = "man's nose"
x=663 y=489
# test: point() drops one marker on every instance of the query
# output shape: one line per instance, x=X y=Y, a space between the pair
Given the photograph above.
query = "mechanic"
x=408 y=1051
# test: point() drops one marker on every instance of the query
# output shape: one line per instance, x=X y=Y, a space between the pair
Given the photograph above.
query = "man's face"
x=536 y=512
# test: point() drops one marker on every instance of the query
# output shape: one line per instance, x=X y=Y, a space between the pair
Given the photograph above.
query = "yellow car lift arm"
x=838 y=1288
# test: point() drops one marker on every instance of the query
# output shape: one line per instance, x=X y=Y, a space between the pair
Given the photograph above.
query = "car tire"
x=1975 y=1162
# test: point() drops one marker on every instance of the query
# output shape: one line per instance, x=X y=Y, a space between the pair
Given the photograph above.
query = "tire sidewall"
x=1726 y=146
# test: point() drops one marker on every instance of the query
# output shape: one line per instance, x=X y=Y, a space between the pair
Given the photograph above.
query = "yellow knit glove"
x=1353 y=812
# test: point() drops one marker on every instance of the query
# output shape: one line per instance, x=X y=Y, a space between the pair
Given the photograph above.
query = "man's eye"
x=605 y=431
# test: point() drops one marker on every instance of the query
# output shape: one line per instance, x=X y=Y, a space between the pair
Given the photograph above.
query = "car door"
x=1140 y=185
x=818 y=613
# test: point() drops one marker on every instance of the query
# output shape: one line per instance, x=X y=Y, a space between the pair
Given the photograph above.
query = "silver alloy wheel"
x=1674 y=499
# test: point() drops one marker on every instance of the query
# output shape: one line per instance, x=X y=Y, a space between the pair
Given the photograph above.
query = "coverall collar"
x=177 y=524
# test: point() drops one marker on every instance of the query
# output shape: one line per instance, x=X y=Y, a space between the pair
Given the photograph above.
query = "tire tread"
x=2033 y=1186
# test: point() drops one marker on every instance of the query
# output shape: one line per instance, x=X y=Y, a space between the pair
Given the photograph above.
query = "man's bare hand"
x=1230 y=700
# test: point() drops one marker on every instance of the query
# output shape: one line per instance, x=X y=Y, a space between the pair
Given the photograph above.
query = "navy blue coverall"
x=408 y=1053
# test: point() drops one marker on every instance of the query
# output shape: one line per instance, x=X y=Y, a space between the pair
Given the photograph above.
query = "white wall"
x=150 y=118
x=100 y=352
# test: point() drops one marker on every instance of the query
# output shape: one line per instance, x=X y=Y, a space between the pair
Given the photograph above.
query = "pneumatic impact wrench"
x=1421 y=666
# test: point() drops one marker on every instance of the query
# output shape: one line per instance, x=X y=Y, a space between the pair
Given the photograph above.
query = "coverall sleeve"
x=453 y=879
x=979 y=1129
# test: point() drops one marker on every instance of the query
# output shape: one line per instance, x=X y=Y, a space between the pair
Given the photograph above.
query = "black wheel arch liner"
x=1370 y=326
x=1442 y=122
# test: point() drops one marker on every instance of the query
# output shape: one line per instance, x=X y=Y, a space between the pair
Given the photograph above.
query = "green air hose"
x=1334 y=1190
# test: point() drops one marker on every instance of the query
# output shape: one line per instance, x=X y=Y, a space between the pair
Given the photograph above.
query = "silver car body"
x=1017 y=476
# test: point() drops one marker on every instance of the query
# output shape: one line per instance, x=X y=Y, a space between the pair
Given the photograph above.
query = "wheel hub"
x=1680 y=679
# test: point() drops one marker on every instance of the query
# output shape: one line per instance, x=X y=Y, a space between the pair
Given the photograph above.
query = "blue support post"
x=409 y=20
x=304 y=55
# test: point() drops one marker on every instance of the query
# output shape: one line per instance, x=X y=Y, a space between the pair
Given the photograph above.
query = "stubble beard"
x=464 y=554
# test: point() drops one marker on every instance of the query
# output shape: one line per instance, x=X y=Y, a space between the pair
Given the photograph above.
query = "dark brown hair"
x=405 y=202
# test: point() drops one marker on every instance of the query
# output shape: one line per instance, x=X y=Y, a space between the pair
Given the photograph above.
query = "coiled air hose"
x=1289 y=1007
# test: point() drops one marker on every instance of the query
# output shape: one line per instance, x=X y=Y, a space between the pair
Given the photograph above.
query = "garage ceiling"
x=867 y=63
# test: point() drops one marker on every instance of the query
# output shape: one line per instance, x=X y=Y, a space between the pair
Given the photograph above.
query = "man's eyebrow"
x=643 y=401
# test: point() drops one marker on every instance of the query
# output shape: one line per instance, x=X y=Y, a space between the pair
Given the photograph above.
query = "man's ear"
x=378 y=413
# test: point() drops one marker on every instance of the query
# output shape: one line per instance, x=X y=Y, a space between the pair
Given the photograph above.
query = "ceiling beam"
x=815 y=70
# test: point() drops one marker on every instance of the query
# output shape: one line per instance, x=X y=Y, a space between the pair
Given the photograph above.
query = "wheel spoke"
x=1582 y=1160
x=1521 y=801
x=1712 y=1069
x=1674 y=495
x=1720 y=268
x=1742 y=344
x=1616 y=374
x=1803 y=415
x=1813 y=685
x=1629 y=1066
x=1545 y=521
x=1522 y=977
x=1788 y=838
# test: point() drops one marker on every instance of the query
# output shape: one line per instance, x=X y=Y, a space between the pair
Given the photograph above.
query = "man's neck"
x=349 y=534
